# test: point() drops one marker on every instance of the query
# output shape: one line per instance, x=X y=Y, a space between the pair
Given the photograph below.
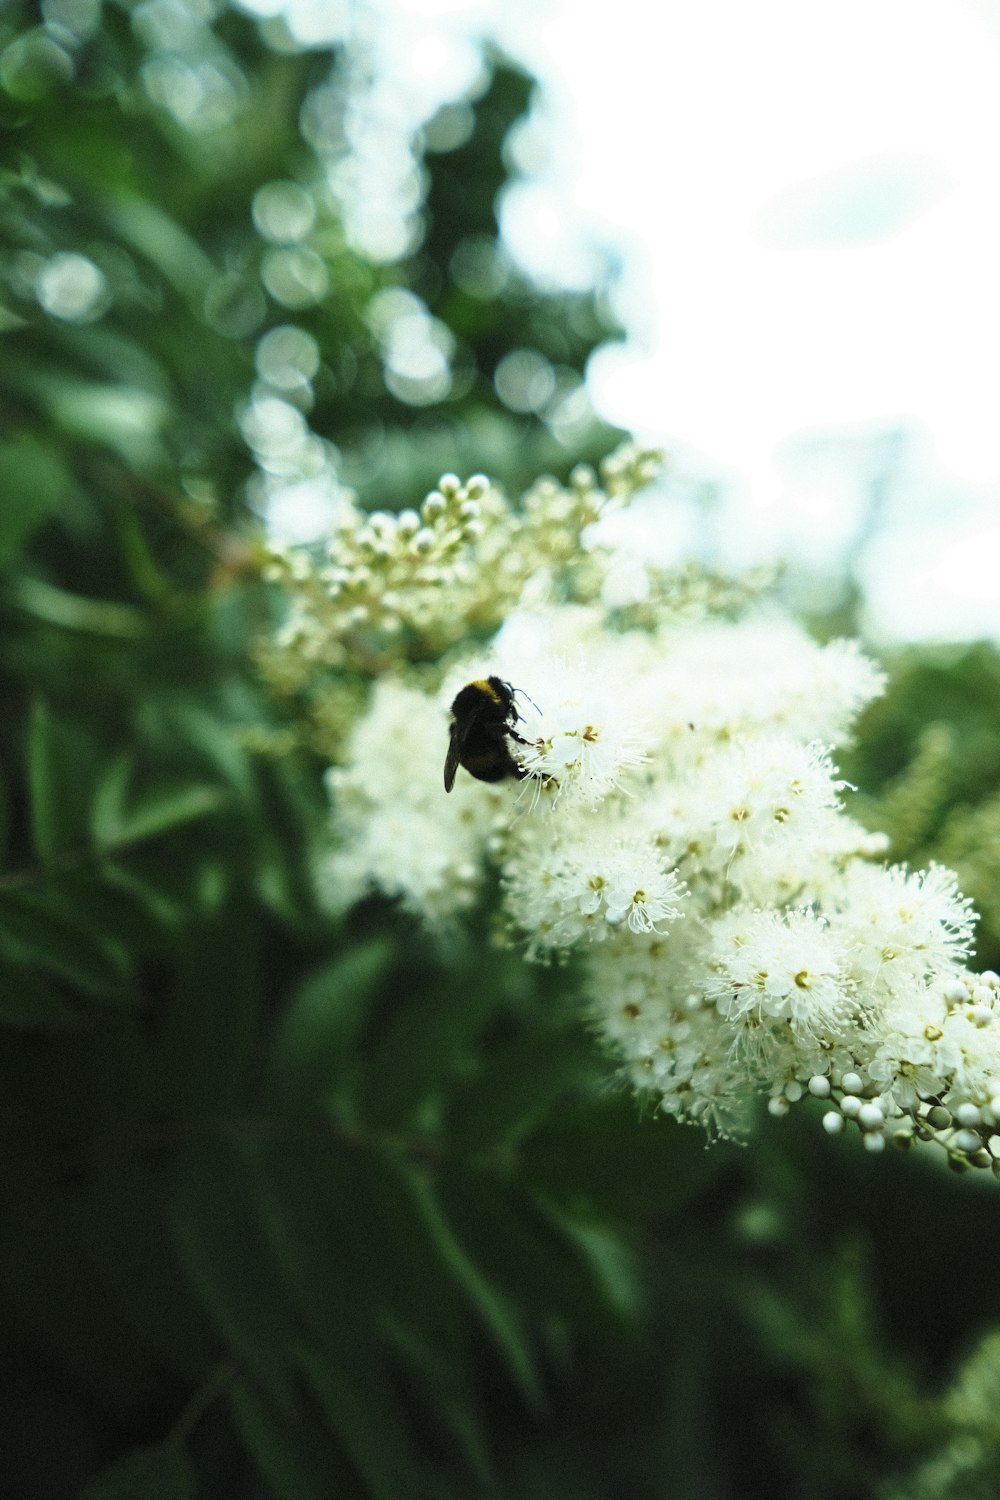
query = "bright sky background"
x=811 y=195
x=807 y=198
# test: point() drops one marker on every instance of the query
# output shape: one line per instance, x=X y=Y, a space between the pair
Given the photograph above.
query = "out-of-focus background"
x=802 y=209
x=296 y=1207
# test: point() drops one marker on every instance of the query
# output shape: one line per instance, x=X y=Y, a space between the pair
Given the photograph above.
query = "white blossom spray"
x=678 y=824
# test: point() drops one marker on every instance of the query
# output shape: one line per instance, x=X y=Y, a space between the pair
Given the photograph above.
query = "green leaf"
x=28 y=1001
x=107 y=811
x=161 y=1472
x=133 y=1259
x=440 y=1385
x=366 y=1423
x=516 y=1084
x=100 y=617
x=321 y=1026
x=34 y=481
x=215 y=1222
x=44 y=783
x=156 y=233
x=209 y=1043
x=115 y=821
x=304 y=1194
x=44 y=1270
x=46 y=932
x=284 y=1451
x=497 y=1316
x=122 y=417
x=607 y=1160
x=538 y=1259
x=428 y=1038
x=4 y=821
x=60 y=763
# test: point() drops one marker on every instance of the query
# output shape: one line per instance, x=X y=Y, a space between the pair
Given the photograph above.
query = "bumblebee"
x=483 y=719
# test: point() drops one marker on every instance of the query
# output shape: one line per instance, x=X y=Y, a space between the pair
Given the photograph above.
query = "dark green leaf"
x=44 y=783
x=285 y=1452
x=306 y=1198
x=215 y=1222
x=541 y=1260
x=497 y=1315
x=517 y=1083
x=320 y=1028
x=153 y=812
x=368 y=1425
x=441 y=1385
x=45 y=932
x=210 y=1040
x=34 y=480
x=73 y=1323
x=607 y=1159
x=27 y=1000
x=107 y=813
x=161 y=1472
x=60 y=764
x=4 y=822
x=429 y=1036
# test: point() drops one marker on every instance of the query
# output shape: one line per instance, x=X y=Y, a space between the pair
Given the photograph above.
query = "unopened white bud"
x=874 y=1142
x=850 y=1106
x=833 y=1123
x=819 y=1087
x=852 y=1083
x=969 y=1115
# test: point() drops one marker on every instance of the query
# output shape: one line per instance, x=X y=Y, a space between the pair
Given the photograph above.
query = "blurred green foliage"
x=928 y=764
x=294 y=1210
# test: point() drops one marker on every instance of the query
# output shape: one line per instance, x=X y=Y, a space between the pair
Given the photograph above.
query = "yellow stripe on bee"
x=484 y=687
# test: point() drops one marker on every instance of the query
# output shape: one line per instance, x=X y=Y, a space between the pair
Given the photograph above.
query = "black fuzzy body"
x=483 y=719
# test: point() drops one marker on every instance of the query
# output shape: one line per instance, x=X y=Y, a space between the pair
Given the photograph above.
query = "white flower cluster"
x=678 y=828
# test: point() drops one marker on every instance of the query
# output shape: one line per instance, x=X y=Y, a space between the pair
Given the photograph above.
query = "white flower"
x=902 y=926
x=568 y=885
x=763 y=673
x=668 y=1037
x=784 y=966
x=679 y=826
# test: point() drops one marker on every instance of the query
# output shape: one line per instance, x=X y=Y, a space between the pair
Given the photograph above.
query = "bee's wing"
x=451 y=762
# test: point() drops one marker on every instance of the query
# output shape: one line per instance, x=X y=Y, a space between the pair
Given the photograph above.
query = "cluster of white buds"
x=669 y=813
x=384 y=579
x=929 y=1085
x=389 y=589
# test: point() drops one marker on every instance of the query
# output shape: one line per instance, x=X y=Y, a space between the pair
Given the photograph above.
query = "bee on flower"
x=651 y=787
